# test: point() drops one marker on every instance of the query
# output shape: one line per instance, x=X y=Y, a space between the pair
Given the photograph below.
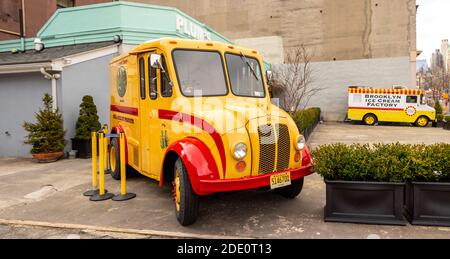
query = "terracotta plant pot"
x=48 y=157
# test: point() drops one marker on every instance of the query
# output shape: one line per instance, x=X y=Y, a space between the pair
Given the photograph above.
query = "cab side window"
x=142 y=77
x=411 y=99
x=152 y=79
x=166 y=88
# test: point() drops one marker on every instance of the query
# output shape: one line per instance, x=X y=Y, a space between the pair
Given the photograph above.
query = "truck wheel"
x=422 y=121
x=114 y=159
x=292 y=190
x=370 y=119
x=186 y=200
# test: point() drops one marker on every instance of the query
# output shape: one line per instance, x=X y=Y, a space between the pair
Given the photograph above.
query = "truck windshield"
x=245 y=76
x=200 y=73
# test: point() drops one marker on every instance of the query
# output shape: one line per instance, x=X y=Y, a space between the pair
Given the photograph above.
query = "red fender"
x=118 y=129
x=198 y=160
x=306 y=157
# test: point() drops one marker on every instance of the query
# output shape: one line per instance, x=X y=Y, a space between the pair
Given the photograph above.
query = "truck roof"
x=175 y=43
x=362 y=90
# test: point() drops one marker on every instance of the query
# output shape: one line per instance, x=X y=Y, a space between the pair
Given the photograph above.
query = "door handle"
x=152 y=114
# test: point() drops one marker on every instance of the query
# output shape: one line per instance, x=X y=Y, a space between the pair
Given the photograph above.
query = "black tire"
x=292 y=190
x=417 y=121
x=115 y=174
x=189 y=201
x=375 y=119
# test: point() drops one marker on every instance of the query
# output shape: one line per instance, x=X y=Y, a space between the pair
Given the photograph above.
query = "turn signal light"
x=240 y=166
x=297 y=156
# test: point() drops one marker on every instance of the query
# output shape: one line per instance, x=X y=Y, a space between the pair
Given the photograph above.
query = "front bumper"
x=227 y=185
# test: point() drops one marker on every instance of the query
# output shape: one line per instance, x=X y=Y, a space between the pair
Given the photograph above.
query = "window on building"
x=65 y=3
x=152 y=79
x=411 y=99
x=166 y=88
x=142 y=77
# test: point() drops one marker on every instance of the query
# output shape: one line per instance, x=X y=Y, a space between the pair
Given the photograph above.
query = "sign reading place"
x=191 y=29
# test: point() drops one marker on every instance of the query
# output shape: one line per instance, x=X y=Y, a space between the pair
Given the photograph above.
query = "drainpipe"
x=22 y=34
x=53 y=77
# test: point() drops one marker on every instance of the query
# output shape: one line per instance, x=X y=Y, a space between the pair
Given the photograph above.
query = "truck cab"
x=197 y=115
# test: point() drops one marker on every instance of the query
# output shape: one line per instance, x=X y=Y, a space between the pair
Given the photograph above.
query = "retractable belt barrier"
x=98 y=191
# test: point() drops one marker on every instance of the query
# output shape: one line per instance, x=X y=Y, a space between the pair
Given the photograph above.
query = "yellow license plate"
x=280 y=180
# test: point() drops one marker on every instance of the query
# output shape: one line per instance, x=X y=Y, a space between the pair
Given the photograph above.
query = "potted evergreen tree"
x=87 y=122
x=46 y=135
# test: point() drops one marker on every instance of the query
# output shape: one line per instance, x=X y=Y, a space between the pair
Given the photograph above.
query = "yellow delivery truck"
x=197 y=115
x=372 y=105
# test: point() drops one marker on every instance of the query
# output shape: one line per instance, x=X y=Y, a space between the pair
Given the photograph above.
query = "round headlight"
x=300 y=143
x=240 y=150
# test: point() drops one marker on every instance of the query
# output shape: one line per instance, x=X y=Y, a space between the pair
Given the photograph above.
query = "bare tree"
x=292 y=81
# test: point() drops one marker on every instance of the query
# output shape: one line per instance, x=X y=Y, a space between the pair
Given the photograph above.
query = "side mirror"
x=156 y=61
x=269 y=75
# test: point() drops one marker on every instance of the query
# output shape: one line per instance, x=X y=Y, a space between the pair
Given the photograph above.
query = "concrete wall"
x=20 y=97
x=341 y=30
x=335 y=77
x=86 y=78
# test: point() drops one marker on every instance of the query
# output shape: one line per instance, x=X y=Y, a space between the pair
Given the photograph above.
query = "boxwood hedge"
x=383 y=162
x=306 y=118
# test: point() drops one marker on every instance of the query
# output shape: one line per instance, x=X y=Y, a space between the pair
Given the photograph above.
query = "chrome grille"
x=284 y=150
x=266 y=149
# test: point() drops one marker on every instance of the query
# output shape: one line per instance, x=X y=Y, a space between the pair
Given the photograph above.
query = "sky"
x=433 y=25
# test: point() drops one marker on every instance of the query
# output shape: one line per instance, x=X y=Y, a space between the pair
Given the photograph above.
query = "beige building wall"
x=354 y=42
x=333 y=29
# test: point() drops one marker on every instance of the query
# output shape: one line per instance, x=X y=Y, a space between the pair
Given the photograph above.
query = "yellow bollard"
x=94 y=166
x=105 y=148
x=102 y=193
x=102 y=163
x=123 y=196
x=123 y=175
x=94 y=161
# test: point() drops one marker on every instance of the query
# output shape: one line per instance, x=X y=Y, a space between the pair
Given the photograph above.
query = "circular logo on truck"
x=410 y=110
x=121 y=81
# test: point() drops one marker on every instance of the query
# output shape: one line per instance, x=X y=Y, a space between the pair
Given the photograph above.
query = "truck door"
x=148 y=113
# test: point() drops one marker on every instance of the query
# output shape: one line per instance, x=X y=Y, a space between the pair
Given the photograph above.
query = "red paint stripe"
x=124 y=109
x=199 y=123
x=370 y=108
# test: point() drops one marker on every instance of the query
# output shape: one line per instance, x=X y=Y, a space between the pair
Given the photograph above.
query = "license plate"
x=280 y=180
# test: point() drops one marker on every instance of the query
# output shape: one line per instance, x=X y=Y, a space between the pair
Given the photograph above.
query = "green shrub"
x=438 y=108
x=447 y=119
x=383 y=162
x=306 y=118
x=47 y=134
x=87 y=120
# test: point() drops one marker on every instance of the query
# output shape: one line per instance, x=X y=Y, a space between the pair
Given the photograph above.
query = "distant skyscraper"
x=421 y=65
x=437 y=60
x=445 y=54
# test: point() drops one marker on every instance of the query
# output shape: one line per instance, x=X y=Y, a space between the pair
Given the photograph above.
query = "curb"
x=144 y=232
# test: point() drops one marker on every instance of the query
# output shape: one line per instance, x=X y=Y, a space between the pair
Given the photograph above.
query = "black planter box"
x=428 y=203
x=83 y=147
x=447 y=126
x=364 y=202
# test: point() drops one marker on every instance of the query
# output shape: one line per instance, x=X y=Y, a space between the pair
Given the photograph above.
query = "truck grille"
x=271 y=139
x=284 y=150
x=266 y=149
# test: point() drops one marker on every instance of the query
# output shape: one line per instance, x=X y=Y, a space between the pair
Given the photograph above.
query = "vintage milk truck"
x=198 y=115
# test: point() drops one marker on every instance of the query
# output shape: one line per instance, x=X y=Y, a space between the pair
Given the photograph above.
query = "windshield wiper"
x=245 y=60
